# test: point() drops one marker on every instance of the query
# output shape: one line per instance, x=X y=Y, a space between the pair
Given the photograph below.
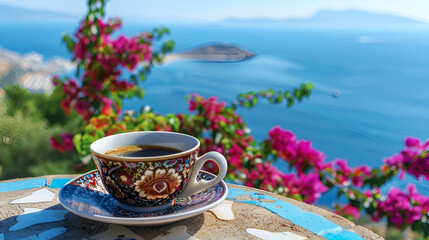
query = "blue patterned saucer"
x=86 y=196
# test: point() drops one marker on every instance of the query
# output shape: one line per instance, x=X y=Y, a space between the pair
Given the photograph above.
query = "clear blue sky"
x=215 y=10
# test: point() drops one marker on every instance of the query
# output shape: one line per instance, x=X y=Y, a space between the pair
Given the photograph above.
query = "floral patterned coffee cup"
x=146 y=184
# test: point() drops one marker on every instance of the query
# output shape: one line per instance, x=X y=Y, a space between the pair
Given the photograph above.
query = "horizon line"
x=177 y=19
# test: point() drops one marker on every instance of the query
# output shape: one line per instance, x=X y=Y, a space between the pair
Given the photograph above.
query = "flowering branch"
x=102 y=62
x=97 y=93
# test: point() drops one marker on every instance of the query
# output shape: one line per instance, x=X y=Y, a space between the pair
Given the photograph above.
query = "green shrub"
x=24 y=137
x=38 y=106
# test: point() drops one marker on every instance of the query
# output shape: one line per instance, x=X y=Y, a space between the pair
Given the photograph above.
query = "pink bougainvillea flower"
x=67 y=139
x=65 y=106
x=413 y=159
x=413 y=214
x=55 y=144
x=397 y=219
x=132 y=61
x=235 y=154
x=283 y=142
x=62 y=143
x=55 y=80
x=412 y=142
x=349 y=210
x=311 y=187
x=97 y=85
x=79 y=49
x=81 y=108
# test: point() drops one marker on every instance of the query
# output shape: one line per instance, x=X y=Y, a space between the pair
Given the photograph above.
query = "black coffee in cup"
x=142 y=151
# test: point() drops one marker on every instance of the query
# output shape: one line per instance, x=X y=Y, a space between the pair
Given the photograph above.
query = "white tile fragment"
x=49 y=234
x=176 y=233
x=266 y=235
x=33 y=216
x=42 y=195
x=116 y=232
x=224 y=211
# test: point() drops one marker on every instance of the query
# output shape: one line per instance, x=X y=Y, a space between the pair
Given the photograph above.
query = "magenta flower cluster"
x=399 y=207
x=103 y=59
x=303 y=157
x=348 y=210
x=305 y=187
x=62 y=143
x=298 y=153
x=413 y=159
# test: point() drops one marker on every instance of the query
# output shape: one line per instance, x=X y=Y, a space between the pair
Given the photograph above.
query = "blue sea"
x=382 y=75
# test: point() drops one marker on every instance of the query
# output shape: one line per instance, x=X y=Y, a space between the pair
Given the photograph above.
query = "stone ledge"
x=252 y=209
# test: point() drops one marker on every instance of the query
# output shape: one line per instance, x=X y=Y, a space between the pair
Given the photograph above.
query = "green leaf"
x=77 y=141
x=116 y=97
x=99 y=134
x=290 y=102
x=158 y=33
x=68 y=41
x=142 y=76
x=157 y=58
x=140 y=92
x=242 y=95
x=254 y=101
x=188 y=97
x=247 y=105
x=279 y=97
x=134 y=78
x=168 y=46
x=297 y=93
x=288 y=95
x=425 y=228
x=166 y=30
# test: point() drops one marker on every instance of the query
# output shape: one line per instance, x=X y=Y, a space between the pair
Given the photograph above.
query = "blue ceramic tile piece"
x=59 y=182
x=23 y=184
x=342 y=235
x=315 y=223
x=235 y=193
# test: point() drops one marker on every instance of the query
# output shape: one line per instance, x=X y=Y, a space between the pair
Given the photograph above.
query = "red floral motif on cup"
x=125 y=177
x=158 y=183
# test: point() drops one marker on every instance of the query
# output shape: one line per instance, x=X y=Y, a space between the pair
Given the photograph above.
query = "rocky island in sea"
x=33 y=73
x=213 y=53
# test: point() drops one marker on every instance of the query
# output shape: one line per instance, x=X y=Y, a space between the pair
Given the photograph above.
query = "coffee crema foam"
x=142 y=151
x=124 y=149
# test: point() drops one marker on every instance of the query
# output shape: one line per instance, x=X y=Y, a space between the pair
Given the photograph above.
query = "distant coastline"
x=324 y=18
x=30 y=70
x=33 y=73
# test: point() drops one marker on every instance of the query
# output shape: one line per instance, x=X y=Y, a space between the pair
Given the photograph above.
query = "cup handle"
x=193 y=186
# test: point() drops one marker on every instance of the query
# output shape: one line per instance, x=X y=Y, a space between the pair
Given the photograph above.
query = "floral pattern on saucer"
x=87 y=197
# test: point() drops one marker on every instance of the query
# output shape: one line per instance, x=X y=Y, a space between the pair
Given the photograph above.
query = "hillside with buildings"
x=30 y=70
